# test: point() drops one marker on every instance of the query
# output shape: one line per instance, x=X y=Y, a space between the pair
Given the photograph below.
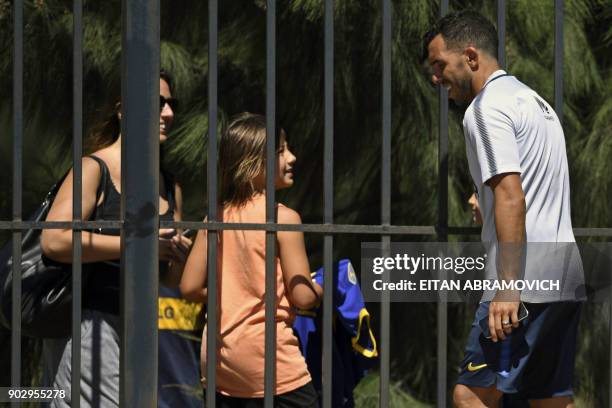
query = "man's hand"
x=503 y=317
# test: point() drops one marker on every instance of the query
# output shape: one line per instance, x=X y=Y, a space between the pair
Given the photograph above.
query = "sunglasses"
x=172 y=102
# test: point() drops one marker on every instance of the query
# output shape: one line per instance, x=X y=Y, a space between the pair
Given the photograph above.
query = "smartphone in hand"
x=484 y=323
x=189 y=233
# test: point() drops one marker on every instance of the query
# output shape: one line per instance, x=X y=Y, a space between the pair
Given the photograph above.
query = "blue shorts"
x=536 y=361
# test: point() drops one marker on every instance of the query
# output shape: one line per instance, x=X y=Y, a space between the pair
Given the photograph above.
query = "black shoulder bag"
x=46 y=285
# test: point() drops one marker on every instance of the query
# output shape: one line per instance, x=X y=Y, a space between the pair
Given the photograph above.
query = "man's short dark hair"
x=464 y=28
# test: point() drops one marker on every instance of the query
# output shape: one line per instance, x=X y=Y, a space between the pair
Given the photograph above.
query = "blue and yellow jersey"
x=180 y=326
x=353 y=345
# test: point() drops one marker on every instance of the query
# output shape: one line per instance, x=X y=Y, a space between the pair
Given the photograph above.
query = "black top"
x=101 y=288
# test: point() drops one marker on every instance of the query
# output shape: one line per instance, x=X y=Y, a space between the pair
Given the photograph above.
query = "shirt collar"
x=494 y=75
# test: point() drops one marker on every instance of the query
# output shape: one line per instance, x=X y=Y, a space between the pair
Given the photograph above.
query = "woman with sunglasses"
x=101 y=252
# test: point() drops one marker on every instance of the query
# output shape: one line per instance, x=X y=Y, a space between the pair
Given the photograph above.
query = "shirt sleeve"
x=491 y=131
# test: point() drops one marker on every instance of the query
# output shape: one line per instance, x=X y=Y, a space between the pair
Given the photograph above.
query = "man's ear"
x=471 y=57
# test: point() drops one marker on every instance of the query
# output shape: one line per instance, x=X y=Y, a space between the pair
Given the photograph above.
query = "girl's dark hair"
x=105 y=132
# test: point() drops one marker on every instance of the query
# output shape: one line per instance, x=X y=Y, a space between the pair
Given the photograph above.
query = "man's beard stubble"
x=465 y=89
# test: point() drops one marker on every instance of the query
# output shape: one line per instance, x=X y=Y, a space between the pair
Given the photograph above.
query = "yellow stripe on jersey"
x=364 y=315
x=179 y=314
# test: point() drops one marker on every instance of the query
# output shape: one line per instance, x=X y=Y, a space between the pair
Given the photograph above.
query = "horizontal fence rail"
x=366 y=229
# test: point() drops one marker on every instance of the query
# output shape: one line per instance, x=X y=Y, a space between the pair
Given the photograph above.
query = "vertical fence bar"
x=270 y=336
x=212 y=312
x=328 y=193
x=139 y=202
x=501 y=33
x=610 y=352
x=385 y=306
x=17 y=189
x=77 y=153
x=559 y=11
x=442 y=329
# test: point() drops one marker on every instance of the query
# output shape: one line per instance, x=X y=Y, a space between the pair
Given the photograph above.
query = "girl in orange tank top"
x=241 y=275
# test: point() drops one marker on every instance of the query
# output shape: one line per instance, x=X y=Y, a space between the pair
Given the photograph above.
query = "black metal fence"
x=140 y=72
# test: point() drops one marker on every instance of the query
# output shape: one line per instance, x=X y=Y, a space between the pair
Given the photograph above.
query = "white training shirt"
x=509 y=128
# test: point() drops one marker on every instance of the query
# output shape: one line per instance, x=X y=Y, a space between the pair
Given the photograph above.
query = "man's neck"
x=482 y=75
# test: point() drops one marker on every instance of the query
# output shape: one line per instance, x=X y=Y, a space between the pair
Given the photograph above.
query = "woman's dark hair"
x=106 y=132
x=168 y=78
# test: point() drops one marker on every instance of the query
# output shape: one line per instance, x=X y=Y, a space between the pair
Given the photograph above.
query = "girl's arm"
x=180 y=244
x=302 y=292
x=193 y=281
x=57 y=243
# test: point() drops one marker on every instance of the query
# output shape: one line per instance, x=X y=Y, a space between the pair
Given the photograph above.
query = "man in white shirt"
x=516 y=154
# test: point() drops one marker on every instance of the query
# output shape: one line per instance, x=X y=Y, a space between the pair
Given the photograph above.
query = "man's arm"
x=510 y=210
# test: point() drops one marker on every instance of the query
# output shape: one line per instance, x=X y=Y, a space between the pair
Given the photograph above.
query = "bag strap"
x=169 y=185
x=102 y=186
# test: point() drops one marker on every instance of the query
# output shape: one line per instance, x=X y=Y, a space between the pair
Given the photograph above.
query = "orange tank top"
x=241 y=324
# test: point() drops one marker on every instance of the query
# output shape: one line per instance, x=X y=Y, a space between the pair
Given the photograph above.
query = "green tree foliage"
x=357 y=118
